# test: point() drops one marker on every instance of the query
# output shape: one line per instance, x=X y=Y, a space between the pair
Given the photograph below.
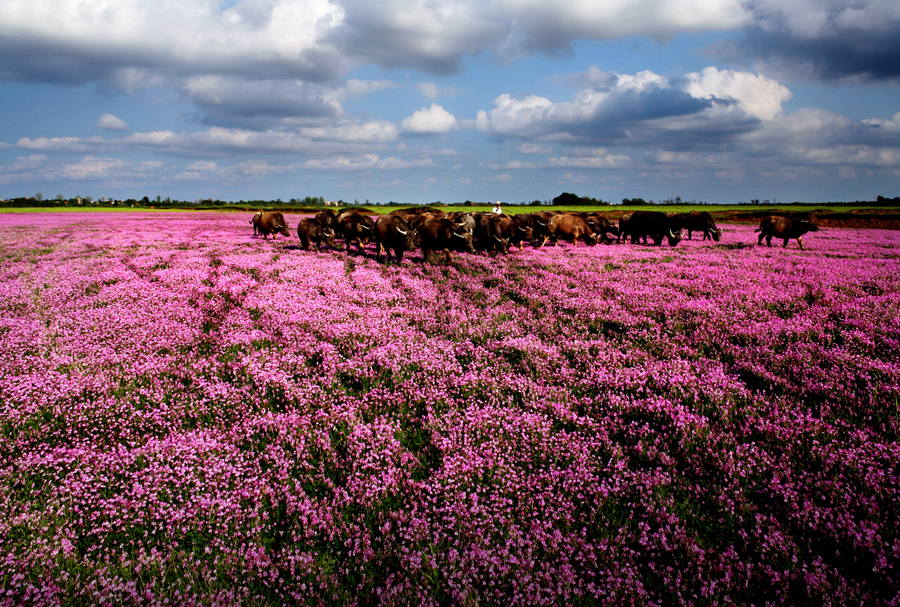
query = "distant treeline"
x=566 y=199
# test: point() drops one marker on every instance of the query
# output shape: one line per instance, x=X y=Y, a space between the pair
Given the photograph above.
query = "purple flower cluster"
x=192 y=416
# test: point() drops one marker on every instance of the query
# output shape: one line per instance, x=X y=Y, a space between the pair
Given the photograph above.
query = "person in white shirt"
x=497 y=209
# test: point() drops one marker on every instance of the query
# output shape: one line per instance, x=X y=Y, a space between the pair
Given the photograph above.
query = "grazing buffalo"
x=601 y=226
x=311 y=230
x=520 y=230
x=623 y=227
x=418 y=219
x=392 y=233
x=327 y=218
x=784 y=227
x=356 y=227
x=510 y=232
x=255 y=222
x=531 y=227
x=441 y=234
x=405 y=214
x=571 y=227
x=489 y=234
x=652 y=224
x=701 y=221
x=272 y=223
x=540 y=225
x=463 y=220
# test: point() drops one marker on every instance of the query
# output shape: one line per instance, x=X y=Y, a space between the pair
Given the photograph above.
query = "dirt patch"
x=860 y=219
x=880 y=219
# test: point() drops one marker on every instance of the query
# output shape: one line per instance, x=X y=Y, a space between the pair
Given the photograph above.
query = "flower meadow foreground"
x=192 y=416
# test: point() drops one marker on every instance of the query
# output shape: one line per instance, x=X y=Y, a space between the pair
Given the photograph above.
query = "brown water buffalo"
x=701 y=221
x=540 y=226
x=573 y=228
x=655 y=225
x=488 y=233
x=311 y=230
x=521 y=230
x=775 y=226
x=272 y=223
x=441 y=234
x=327 y=218
x=355 y=227
x=255 y=222
x=404 y=214
x=392 y=233
x=531 y=227
x=464 y=220
x=601 y=226
x=510 y=232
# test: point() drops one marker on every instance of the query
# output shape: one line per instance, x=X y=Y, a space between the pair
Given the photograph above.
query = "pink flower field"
x=193 y=416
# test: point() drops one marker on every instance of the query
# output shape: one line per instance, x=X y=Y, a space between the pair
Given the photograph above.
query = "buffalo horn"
x=401 y=232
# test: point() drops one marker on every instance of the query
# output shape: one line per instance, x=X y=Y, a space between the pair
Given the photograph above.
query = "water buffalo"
x=623 y=227
x=272 y=223
x=571 y=227
x=601 y=226
x=511 y=232
x=520 y=229
x=701 y=221
x=311 y=230
x=540 y=226
x=441 y=234
x=356 y=227
x=255 y=222
x=327 y=218
x=531 y=227
x=784 y=227
x=391 y=232
x=488 y=233
x=655 y=225
x=463 y=220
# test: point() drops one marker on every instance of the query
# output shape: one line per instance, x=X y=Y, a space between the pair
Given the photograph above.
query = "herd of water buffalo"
x=435 y=231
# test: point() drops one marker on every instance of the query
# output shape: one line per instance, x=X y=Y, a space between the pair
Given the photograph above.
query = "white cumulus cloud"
x=432 y=120
x=112 y=123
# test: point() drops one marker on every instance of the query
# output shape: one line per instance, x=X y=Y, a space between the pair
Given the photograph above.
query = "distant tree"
x=38 y=196
x=635 y=202
x=567 y=198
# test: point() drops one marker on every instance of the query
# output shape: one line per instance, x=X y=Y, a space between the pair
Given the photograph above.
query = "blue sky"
x=432 y=100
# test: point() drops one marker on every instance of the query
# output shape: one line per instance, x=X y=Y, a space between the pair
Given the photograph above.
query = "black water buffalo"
x=652 y=224
x=311 y=230
x=623 y=226
x=392 y=233
x=356 y=227
x=571 y=227
x=441 y=234
x=488 y=233
x=775 y=226
x=272 y=223
x=701 y=221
